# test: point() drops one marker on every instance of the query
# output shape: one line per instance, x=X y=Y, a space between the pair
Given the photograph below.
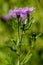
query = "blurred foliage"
x=7 y=32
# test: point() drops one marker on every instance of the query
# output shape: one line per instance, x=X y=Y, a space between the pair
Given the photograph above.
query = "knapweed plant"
x=24 y=20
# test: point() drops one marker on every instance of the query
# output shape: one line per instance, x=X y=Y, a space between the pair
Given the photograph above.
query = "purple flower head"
x=25 y=12
x=12 y=13
x=23 y=16
x=31 y=10
x=21 y=12
x=7 y=17
x=17 y=12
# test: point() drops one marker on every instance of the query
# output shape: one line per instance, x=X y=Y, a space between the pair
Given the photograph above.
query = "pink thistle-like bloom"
x=17 y=11
x=20 y=13
x=26 y=11
x=14 y=13
x=7 y=17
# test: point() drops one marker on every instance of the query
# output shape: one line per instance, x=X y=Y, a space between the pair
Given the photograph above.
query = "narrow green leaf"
x=27 y=58
x=30 y=24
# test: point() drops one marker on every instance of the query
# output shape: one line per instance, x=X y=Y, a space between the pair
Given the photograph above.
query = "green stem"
x=20 y=36
x=18 y=42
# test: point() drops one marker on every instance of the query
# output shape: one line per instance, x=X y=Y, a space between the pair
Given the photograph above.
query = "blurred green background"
x=7 y=57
